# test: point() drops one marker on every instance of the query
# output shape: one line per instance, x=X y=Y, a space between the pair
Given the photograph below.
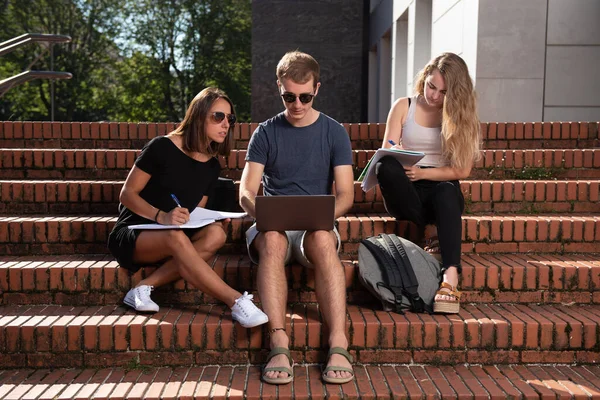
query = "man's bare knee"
x=319 y=245
x=321 y=241
x=271 y=244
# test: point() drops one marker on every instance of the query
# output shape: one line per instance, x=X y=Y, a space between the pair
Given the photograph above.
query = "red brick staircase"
x=529 y=326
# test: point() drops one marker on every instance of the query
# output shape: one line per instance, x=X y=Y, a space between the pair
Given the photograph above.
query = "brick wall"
x=282 y=26
x=495 y=135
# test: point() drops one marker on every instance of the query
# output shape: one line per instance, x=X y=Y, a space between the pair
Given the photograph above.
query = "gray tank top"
x=420 y=138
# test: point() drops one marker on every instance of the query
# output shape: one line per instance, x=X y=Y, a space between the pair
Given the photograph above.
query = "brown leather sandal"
x=447 y=306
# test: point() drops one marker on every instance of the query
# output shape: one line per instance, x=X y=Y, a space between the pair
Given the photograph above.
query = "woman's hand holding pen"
x=177 y=216
x=396 y=146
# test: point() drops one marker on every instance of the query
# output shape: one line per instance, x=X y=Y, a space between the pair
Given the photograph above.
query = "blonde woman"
x=441 y=121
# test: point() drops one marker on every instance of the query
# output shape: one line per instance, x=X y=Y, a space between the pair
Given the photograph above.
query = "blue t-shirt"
x=299 y=161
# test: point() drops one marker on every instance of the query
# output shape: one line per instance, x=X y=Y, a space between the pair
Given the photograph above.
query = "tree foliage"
x=131 y=60
x=90 y=57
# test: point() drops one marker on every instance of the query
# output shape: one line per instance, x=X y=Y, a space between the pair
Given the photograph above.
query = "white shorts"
x=295 y=249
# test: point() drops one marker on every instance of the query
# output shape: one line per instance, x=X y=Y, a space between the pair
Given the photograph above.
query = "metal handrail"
x=7 y=84
x=14 y=43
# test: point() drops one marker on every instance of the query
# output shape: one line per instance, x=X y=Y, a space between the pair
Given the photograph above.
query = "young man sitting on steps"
x=300 y=152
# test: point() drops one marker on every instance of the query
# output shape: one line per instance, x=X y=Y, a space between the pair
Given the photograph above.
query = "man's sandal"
x=343 y=352
x=432 y=246
x=290 y=371
x=447 y=306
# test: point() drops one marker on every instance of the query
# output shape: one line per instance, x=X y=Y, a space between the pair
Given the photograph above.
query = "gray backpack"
x=399 y=273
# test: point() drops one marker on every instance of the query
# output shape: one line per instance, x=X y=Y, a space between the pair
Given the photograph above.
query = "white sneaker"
x=139 y=299
x=246 y=313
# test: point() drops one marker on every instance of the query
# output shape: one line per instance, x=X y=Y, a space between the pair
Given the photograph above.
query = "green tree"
x=139 y=102
x=90 y=57
x=196 y=44
x=131 y=60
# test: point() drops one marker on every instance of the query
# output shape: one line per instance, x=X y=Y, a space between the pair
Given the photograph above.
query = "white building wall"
x=454 y=29
x=572 y=85
x=419 y=40
x=447 y=26
x=532 y=60
x=510 y=59
x=399 y=65
x=407 y=25
x=420 y=30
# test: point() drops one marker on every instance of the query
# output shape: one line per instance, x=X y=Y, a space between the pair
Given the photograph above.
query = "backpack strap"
x=411 y=284
x=390 y=270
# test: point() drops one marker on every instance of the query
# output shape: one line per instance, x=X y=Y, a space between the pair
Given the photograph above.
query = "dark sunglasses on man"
x=305 y=98
x=218 y=117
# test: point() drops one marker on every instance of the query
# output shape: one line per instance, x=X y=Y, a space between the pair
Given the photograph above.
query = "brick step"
x=102 y=197
x=487 y=278
x=242 y=144
x=110 y=164
x=63 y=336
x=22 y=235
x=518 y=164
x=123 y=135
x=393 y=381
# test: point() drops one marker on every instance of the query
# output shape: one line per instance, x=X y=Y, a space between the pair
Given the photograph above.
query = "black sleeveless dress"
x=172 y=172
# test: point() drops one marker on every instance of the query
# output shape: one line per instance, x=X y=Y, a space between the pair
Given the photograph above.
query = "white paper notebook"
x=198 y=218
x=406 y=157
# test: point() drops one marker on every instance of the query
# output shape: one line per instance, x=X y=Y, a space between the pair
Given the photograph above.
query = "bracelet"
x=156 y=216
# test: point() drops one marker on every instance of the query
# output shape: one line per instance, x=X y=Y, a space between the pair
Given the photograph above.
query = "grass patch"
x=468 y=203
x=573 y=282
x=534 y=173
x=568 y=329
x=529 y=209
x=468 y=336
x=134 y=365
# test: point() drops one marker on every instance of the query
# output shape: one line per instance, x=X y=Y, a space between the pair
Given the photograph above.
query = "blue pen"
x=391 y=142
x=175 y=200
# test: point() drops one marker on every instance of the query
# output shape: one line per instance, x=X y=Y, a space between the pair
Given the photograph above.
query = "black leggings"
x=425 y=202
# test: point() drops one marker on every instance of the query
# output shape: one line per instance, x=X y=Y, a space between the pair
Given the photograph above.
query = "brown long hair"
x=460 y=124
x=191 y=129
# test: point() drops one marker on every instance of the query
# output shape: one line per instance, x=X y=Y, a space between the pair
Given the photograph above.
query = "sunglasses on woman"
x=305 y=98
x=218 y=117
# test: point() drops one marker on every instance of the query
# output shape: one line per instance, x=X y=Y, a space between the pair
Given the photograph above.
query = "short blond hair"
x=299 y=67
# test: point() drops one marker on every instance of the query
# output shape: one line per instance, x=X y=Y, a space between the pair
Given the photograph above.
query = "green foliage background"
x=131 y=60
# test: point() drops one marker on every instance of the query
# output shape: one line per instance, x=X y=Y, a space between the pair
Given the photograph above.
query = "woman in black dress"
x=184 y=164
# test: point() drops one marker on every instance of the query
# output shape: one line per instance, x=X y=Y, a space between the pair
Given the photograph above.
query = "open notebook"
x=198 y=218
x=406 y=157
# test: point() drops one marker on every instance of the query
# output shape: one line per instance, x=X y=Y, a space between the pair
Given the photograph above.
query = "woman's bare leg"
x=153 y=246
x=206 y=241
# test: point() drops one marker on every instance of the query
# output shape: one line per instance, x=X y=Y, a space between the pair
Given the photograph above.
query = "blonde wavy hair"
x=460 y=124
